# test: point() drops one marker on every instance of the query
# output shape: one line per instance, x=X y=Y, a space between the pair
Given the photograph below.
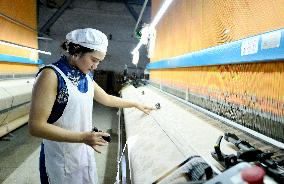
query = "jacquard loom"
x=216 y=77
x=174 y=144
x=222 y=64
x=216 y=72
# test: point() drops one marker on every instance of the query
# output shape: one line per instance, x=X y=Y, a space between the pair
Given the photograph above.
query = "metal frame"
x=131 y=10
x=45 y=28
x=226 y=121
x=122 y=174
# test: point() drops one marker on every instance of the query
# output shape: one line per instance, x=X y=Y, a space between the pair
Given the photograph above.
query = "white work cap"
x=90 y=38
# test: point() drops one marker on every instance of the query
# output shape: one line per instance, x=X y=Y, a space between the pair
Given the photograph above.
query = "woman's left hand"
x=144 y=108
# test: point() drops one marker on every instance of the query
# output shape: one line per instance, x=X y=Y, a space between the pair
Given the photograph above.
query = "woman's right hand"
x=94 y=139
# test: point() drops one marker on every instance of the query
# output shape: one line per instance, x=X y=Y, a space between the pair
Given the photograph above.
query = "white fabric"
x=90 y=38
x=74 y=162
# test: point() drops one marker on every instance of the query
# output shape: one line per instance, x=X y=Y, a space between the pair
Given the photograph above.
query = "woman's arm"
x=112 y=101
x=43 y=97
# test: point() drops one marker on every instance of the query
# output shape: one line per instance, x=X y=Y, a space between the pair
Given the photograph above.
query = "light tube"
x=23 y=47
x=160 y=13
x=156 y=20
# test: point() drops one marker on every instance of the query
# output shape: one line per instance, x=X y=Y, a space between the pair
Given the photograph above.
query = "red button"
x=253 y=175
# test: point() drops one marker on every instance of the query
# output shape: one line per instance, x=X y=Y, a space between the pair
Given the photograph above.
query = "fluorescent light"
x=156 y=20
x=23 y=47
x=152 y=41
x=161 y=12
x=44 y=38
x=135 y=58
x=137 y=48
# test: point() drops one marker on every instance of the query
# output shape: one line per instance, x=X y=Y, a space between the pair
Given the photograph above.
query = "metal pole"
x=140 y=16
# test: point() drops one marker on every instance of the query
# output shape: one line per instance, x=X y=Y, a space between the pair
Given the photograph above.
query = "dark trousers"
x=42 y=169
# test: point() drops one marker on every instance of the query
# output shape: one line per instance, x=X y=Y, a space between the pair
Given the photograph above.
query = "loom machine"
x=182 y=143
x=216 y=78
x=212 y=124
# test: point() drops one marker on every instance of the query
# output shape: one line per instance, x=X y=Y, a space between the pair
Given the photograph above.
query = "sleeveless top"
x=78 y=79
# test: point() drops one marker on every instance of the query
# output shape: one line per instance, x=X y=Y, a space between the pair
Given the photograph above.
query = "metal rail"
x=227 y=121
x=140 y=16
x=121 y=174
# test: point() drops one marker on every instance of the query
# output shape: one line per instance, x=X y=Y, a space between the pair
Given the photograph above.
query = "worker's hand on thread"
x=144 y=108
x=95 y=139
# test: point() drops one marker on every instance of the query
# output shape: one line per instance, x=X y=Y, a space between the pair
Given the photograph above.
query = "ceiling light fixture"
x=156 y=20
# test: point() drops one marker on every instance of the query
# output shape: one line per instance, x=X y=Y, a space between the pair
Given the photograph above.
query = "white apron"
x=72 y=163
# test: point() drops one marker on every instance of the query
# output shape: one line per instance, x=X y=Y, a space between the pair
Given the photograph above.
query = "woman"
x=61 y=110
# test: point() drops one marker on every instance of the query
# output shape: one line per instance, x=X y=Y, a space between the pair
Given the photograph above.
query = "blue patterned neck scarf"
x=77 y=77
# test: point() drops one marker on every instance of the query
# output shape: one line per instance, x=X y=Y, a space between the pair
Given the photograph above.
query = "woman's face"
x=89 y=61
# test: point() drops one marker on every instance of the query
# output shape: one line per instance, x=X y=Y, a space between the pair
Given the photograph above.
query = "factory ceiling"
x=62 y=5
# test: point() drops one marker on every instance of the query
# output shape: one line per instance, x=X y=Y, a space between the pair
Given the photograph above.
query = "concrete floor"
x=19 y=155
